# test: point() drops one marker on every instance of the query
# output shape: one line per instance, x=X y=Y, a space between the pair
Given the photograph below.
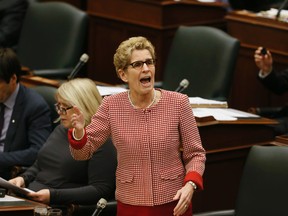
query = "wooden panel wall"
x=112 y=21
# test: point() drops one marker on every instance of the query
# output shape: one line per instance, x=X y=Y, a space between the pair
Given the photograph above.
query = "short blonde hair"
x=123 y=53
x=83 y=93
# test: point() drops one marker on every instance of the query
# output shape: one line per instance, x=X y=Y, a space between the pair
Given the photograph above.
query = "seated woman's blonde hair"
x=82 y=93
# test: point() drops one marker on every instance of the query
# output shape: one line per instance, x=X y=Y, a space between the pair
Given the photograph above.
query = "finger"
x=12 y=182
x=32 y=195
x=268 y=53
x=18 y=184
x=258 y=51
x=181 y=209
x=257 y=56
x=177 y=196
x=77 y=110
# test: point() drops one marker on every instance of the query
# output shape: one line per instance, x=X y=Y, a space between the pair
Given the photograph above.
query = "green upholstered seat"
x=52 y=39
x=206 y=57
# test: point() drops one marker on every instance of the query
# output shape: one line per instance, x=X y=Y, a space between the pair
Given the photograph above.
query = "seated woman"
x=56 y=177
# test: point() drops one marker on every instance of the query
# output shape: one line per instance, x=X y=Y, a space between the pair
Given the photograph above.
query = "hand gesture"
x=78 y=121
x=184 y=195
x=263 y=61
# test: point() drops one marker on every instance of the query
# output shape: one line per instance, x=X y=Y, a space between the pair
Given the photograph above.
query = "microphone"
x=83 y=59
x=182 y=85
x=282 y=6
x=100 y=206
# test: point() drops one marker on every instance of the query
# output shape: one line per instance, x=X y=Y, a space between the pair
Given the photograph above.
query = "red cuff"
x=196 y=178
x=76 y=144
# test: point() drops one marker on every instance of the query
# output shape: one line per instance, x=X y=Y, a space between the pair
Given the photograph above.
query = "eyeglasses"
x=61 y=110
x=139 y=64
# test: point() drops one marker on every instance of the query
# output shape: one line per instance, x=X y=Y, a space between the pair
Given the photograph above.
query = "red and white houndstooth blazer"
x=150 y=166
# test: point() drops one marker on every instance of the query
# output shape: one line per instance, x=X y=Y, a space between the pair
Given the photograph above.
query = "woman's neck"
x=143 y=102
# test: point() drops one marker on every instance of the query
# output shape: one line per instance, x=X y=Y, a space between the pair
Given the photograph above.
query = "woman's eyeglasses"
x=61 y=110
x=139 y=64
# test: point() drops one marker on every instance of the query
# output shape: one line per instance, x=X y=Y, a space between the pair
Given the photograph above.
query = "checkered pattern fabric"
x=150 y=166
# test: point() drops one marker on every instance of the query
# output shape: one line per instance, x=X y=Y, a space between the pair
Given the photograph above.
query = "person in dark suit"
x=12 y=13
x=27 y=122
x=276 y=82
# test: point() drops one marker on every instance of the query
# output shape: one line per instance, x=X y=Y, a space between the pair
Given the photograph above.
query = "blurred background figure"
x=275 y=81
x=25 y=117
x=12 y=13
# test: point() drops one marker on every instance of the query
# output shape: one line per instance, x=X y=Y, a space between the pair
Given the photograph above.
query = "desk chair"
x=206 y=57
x=52 y=39
x=33 y=1
x=263 y=188
x=48 y=93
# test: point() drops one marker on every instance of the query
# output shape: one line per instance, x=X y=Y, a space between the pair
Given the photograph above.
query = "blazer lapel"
x=15 y=119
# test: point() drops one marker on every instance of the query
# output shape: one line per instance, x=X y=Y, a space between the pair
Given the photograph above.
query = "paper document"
x=5 y=184
x=206 y=103
x=207 y=1
x=8 y=198
x=271 y=14
x=110 y=90
x=222 y=114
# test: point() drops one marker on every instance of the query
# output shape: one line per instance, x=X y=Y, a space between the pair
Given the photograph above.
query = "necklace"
x=153 y=101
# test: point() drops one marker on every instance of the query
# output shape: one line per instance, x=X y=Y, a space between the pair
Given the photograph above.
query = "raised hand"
x=78 y=122
x=263 y=61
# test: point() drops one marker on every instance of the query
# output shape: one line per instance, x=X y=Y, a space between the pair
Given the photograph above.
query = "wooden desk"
x=254 y=31
x=21 y=208
x=227 y=145
x=112 y=21
x=30 y=80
